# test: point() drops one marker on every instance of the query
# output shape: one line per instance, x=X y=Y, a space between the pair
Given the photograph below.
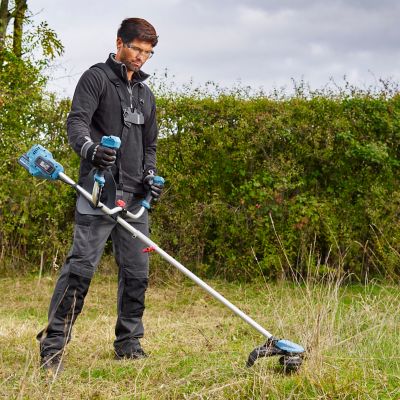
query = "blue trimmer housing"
x=40 y=163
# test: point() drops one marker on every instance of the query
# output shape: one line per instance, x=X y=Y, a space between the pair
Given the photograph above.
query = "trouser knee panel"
x=133 y=297
x=72 y=301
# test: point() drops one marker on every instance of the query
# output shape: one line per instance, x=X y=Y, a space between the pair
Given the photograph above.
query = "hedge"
x=255 y=186
x=287 y=187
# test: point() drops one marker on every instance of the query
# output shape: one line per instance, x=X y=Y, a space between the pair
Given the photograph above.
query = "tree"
x=15 y=11
x=28 y=114
x=20 y=10
x=25 y=40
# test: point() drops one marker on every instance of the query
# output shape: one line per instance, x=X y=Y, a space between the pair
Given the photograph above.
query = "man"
x=110 y=99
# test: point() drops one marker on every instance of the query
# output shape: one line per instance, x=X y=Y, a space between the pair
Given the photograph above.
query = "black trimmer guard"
x=291 y=353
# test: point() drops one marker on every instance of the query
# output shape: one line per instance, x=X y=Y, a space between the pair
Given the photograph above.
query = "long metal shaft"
x=194 y=278
x=170 y=259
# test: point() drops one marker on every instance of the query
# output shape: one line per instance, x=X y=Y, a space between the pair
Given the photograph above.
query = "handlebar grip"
x=112 y=142
x=158 y=180
x=99 y=177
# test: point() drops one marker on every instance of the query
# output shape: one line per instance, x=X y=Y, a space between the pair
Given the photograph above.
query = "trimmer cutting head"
x=291 y=353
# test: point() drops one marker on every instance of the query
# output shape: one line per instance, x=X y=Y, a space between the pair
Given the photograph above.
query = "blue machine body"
x=40 y=163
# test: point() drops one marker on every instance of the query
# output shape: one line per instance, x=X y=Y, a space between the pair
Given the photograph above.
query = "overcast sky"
x=261 y=43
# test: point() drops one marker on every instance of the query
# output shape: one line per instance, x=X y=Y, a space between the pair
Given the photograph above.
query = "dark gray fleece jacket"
x=96 y=112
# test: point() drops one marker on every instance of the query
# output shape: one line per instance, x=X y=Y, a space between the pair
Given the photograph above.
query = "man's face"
x=133 y=54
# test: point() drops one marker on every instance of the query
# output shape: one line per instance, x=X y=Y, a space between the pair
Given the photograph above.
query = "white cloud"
x=261 y=42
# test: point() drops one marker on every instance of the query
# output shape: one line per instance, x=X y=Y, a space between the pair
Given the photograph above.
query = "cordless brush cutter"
x=40 y=163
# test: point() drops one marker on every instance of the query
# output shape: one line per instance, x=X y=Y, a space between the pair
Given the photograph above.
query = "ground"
x=198 y=348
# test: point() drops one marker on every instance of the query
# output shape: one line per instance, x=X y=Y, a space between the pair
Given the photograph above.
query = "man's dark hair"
x=137 y=28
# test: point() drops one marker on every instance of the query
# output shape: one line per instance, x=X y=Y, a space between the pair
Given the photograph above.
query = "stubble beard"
x=131 y=67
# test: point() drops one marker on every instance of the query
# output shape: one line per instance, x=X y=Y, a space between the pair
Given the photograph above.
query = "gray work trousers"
x=90 y=236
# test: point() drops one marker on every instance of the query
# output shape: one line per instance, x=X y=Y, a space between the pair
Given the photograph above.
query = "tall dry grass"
x=198 y=349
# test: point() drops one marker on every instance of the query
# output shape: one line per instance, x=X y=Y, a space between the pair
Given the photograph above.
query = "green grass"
x=198 y=348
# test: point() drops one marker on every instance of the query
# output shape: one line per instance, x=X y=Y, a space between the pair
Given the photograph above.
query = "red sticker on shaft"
x=148 y=249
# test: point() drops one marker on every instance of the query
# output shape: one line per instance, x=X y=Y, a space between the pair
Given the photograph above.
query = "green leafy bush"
x=34 y=216
x=291 y=187
x=288 y=187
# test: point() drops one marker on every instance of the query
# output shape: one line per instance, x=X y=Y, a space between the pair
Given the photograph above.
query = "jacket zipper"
x=130 y=90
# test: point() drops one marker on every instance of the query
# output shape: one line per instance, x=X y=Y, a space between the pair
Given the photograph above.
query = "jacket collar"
x=121 y=71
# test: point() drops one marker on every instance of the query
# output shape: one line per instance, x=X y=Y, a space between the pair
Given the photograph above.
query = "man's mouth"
x=133 y=66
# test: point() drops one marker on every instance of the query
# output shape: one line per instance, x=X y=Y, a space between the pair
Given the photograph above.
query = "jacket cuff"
x=85 y=147
x=149 y=170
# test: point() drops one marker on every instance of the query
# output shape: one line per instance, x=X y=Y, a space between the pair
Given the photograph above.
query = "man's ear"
x=119 y=43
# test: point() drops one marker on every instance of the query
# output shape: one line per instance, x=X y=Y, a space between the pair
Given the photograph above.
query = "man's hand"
x=100 y=156
x=155 y=189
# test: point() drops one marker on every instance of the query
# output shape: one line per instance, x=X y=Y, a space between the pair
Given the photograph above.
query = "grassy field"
x=198 y=349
